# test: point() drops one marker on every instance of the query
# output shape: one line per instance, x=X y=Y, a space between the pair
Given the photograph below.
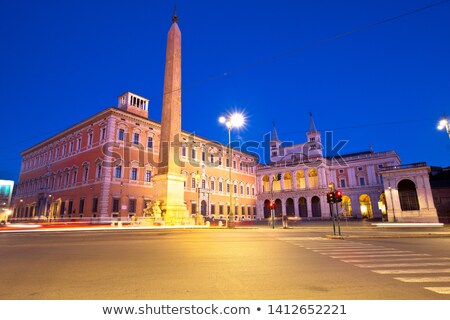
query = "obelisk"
x=169 y=182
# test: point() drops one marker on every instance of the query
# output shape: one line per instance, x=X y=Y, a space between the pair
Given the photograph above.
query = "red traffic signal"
x=339 y=194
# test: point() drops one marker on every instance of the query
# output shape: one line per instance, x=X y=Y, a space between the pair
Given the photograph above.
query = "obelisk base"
x=169 y=190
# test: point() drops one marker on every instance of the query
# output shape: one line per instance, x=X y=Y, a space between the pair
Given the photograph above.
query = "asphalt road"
x=220 y=264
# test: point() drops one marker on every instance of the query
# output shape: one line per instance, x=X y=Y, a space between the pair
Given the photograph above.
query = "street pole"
x=229 y=177
x=332 y=219
x=338 y=219
x=272 y=205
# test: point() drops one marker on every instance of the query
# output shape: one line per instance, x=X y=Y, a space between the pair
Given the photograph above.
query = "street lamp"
x=444 y=124
x=232 y=120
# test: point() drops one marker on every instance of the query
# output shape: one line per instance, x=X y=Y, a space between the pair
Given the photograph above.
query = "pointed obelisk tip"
x=175 y=17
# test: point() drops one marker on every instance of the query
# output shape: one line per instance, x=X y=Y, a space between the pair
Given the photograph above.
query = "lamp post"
x=444 y=123
x=233 y=120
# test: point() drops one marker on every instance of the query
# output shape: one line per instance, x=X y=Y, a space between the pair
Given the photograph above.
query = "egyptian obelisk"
x=169 y=182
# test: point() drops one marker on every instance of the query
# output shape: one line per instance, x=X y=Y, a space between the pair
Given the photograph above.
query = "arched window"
x=267 y=209
x=288 y=181
x=266 y=184
x=408 y=195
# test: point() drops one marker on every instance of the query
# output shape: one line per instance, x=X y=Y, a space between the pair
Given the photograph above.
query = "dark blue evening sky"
x=386 y=86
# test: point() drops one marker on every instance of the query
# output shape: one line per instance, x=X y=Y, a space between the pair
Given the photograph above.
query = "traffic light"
x=277 y=177
x=339 y=196
x=271 y=205
x=331 y=197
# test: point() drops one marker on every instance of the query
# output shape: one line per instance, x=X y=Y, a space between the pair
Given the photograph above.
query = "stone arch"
x=407 y=194
x=302 y=207
x=287 y=181
x=313 y=179
x=366 y=206
x=346 y=206
x=278 y=208
x=265 y=183
x=203 y=208
x=267 y=208
x=300 y=177
x=315 y=207
x=290 y=210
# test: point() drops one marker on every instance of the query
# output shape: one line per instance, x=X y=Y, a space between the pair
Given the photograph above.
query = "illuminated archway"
x=287 y=181
x=313 y=179
x=300 y=177
x=278 y=208
x=267 y=208
x=266 y=184
x=346 y=206
x=366 y=206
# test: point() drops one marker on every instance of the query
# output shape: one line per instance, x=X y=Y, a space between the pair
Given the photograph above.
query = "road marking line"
x=359 y=253
x=424 y=279
x=407 y=271
x=441 y=290
x=382 y=255
x=352 y=249
x=392 y=259
x=394 y=265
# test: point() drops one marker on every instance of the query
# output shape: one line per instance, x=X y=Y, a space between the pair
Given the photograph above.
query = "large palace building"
x=103 y=167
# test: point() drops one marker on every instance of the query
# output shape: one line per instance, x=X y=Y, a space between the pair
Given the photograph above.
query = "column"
x=296 y=211
x=308 y=206
x=294 y=180
x=306 y=179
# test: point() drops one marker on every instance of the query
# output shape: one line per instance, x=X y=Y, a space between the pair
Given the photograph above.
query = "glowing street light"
x=232 y=120
x=444 y=124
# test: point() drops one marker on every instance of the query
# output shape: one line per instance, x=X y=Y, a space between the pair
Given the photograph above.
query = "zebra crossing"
x=403 y=265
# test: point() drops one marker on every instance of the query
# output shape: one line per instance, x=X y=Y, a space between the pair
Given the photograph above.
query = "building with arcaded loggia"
x=303 y=174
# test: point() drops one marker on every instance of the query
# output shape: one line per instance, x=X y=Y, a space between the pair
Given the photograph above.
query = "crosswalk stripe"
x=410 y=264
x=441 y=290
x=353 y=249
x=382 y=255
x=424 y=279
x=406 y=271
x=394 y=259
x=359 y=253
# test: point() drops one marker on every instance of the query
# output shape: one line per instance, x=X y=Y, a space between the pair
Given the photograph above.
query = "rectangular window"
x=362 y=181
x=235 y=189
x=220 y=186
x=74 y=177
x=115 y=205
x=134 y=174
x=132 y=205
x=241 y=166
x=183 y=151
x=342 y=182
x=221 y=209
x=220 y=161
x=213 y=209
x=81 y=206
x=71 y=147
x=228 y=188
x=248 y=191
x=193 y=153
x=234 y=164
x=99 y=171
x=203 y=184
x=136 y=138
x=360 y=168
x=94 y=205
x=228 y=162
x=381 y=179
x=203 y=156
x=148 y=175
x=79 y=143
x=121 y=135
x=253 y=191
x=212 y=185
x=193 y=182
x=103 y=133
x=150 y=142
x=118 y=172
x=211 y=158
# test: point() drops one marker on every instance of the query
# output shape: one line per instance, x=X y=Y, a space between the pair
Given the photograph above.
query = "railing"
x=404 y=166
